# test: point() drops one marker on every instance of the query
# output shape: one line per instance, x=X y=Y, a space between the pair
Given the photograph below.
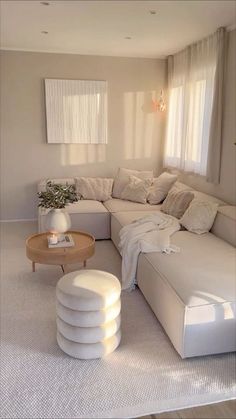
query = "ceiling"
x=102 y=27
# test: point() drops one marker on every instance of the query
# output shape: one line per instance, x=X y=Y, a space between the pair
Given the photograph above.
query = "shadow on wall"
x=139 y=125
x=75 y=154
x=139 y=122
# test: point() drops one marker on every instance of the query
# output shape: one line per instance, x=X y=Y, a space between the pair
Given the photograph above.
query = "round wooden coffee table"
x=37 y=250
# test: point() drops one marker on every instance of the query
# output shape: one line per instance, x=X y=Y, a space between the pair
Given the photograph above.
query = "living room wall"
x=135 y=132
x=226 y=190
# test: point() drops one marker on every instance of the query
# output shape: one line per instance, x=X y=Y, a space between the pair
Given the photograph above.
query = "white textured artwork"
x=76 y=111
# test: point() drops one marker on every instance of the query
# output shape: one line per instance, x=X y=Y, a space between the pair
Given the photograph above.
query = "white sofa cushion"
x=182 y=186
x=205 y=197
x=122 y=178
x=204 y=270
x=199 y=216
x=118 y=205
x=136 y=190
x=127 y=217
x=197 y=194
x=160 y=187
x=98 y=189
x=120 y=219
x=225 y=224
x=81 y=207
x=176 y=202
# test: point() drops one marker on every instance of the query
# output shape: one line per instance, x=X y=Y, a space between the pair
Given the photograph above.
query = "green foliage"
x=57 y=196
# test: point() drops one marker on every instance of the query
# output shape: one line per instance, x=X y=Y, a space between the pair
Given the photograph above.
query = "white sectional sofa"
x=192 y=293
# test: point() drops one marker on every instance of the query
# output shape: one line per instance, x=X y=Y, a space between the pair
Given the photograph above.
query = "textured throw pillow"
x=136 y=190
x=177 y=202
x=122 y=178
x=199 y=216
x=98 y=189
x=161 y=187
x=182 y=187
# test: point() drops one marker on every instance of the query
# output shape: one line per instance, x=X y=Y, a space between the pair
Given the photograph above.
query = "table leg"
x=33 y=266
x=63 y=268
x=85 y=263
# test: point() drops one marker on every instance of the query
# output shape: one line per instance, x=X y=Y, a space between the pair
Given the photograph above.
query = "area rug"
x=144 y=375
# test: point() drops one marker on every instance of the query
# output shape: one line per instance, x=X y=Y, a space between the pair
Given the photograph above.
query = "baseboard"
x=18 y=220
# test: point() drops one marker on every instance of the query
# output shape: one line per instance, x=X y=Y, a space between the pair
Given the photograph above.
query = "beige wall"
x=134 y=132
x=226 y=190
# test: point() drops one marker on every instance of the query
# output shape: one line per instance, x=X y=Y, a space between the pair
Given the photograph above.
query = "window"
x=191 y=88
x=76 y=111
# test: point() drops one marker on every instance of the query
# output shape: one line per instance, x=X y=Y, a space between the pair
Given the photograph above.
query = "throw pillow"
x=122 y=179
x=136 y=190
x=177 y=202
x=199 y=216
x=161 y=187
x=99 y=189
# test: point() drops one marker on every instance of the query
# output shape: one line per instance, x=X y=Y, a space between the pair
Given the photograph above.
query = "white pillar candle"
x=53 y=239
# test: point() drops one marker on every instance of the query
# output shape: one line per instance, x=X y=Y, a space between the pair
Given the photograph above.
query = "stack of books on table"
x=65 y=240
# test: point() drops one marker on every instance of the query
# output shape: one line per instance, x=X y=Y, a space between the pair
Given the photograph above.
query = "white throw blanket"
x=148 y=234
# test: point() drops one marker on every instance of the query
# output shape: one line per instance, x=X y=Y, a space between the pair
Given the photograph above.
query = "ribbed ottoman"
x=88 y=313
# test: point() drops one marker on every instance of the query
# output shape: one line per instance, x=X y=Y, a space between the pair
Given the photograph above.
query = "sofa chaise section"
x=193 y=292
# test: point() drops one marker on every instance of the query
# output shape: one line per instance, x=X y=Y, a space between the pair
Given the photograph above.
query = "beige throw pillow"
x=99 y=189
x=122 y=179
x=160 y=187
x=136 y=190
x=177 y=202
x=199 y=216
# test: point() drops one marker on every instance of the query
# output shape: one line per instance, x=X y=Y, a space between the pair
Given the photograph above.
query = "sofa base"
x=193 y=331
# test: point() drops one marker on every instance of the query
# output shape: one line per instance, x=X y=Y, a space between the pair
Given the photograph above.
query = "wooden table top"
x=37 y=248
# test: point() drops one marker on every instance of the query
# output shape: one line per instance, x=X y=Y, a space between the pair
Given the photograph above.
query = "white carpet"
x=144 y=375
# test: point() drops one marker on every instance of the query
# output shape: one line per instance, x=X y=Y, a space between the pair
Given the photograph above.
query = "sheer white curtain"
x=191 y=85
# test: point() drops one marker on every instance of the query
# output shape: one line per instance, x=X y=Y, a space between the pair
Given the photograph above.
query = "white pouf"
x=89 y=350
x=88 y=318
x=88 y=313
x=88 y=334
x=88 y=290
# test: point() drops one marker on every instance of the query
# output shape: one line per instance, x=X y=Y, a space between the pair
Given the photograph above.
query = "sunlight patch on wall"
x=139 y=120
x=72 y=154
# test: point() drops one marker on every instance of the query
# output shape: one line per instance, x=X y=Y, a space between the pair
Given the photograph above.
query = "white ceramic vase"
x=58 y=221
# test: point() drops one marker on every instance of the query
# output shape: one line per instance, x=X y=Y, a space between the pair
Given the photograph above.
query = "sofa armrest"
x=224 y=225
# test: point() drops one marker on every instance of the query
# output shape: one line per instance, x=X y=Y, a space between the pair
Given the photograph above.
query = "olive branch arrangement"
x=57 y=196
